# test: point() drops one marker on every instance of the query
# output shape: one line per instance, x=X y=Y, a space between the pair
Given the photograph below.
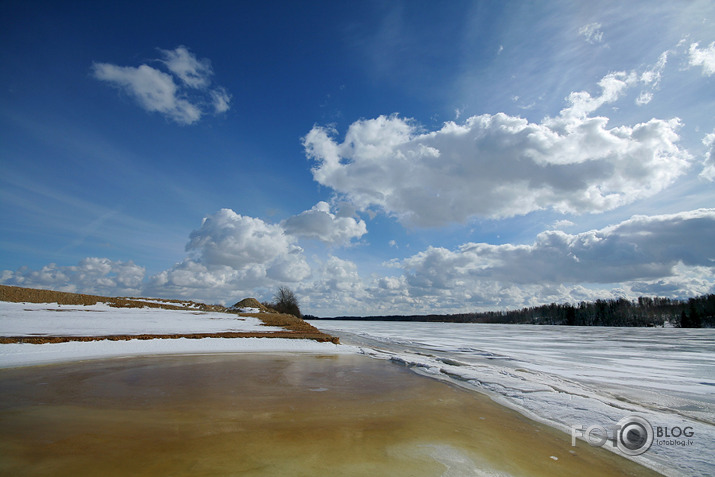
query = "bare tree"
x=287 y=302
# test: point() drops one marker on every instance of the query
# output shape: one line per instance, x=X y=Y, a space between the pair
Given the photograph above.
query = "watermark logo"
x=633 y=435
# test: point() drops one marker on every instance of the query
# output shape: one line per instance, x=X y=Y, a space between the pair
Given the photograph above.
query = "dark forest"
x=695 y=312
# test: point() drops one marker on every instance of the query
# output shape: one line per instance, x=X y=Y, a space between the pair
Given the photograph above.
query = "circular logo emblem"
x=634 y=436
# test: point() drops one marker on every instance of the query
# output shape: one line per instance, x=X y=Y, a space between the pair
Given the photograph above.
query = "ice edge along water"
x=567 y=376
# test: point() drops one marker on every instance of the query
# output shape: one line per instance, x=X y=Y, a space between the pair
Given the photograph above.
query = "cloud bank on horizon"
x=666 y=255
x=602 y=193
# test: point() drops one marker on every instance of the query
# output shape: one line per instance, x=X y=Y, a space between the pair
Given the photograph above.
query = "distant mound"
x=251 y=304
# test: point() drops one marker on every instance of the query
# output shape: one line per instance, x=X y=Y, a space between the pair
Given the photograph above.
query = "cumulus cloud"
x=232 y=256
x=154 y=90
x=704 y=57
x=337 y=288
x=670 y=255
x=91 y=275
x=592 y=33
x=642 y=248
x=249 y=245
x=231 y=252
x=500 y=165
x=320 y=224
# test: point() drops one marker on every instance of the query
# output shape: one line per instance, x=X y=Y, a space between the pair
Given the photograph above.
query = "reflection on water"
x=269 y=415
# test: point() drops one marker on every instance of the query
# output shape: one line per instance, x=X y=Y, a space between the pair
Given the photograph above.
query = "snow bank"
x=248 y=309
x=24 y=354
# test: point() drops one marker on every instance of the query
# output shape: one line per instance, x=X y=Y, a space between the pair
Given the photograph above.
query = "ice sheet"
x=568 y=376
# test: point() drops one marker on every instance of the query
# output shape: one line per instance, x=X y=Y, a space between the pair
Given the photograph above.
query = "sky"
x=375 y=157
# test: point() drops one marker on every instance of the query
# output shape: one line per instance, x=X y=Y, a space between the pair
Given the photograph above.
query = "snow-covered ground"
x=570 y=376
x=24 y=354
x=51 y=319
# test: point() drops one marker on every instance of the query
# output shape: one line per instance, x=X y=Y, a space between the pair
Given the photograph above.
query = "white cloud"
x=320 y=224
x=233 y=257
x=246 y=243
x=670 y=254
x=230 y=255
x=337 y=289
x=221 y=100
x=561 y=224
x=644 y=98
x=500 y=165
x=704 y=57
x=193 y=72
x=156 y=90
x=709 y=163
x=654 y=74
x=91 y=275
x=651 y=78
x=153 y=89
x=592 y=33
x=642 y=248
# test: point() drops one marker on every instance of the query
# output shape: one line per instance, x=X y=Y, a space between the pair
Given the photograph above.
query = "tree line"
x=646 y=311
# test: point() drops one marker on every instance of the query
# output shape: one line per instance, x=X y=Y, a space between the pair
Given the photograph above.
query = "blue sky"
x=376 y=157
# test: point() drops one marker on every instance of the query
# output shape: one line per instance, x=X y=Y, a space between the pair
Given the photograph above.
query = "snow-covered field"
x=570 y=376
x=51 y=319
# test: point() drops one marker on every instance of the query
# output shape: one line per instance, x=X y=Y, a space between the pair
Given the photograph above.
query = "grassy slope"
x=295 y=327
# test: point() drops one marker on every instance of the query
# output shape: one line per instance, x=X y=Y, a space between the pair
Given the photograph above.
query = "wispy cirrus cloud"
x=704 y=57
x=183 y=94
x=592 y=33
x=708 y=172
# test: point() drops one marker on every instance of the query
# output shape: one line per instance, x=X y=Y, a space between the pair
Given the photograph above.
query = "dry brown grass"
x=253 y=303
x=292 y=323
x=32 y=295
x=295 y=327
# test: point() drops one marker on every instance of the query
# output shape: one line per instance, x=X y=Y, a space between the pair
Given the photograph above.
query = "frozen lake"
x=570 y=376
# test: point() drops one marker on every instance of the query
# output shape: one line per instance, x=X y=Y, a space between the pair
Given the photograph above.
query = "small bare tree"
x=287 y=302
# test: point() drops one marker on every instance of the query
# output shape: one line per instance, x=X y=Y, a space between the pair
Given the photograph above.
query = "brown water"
x=270 y=415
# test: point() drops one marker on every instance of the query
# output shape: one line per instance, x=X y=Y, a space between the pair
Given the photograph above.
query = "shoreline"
x=19 y=355
x=510 y=369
